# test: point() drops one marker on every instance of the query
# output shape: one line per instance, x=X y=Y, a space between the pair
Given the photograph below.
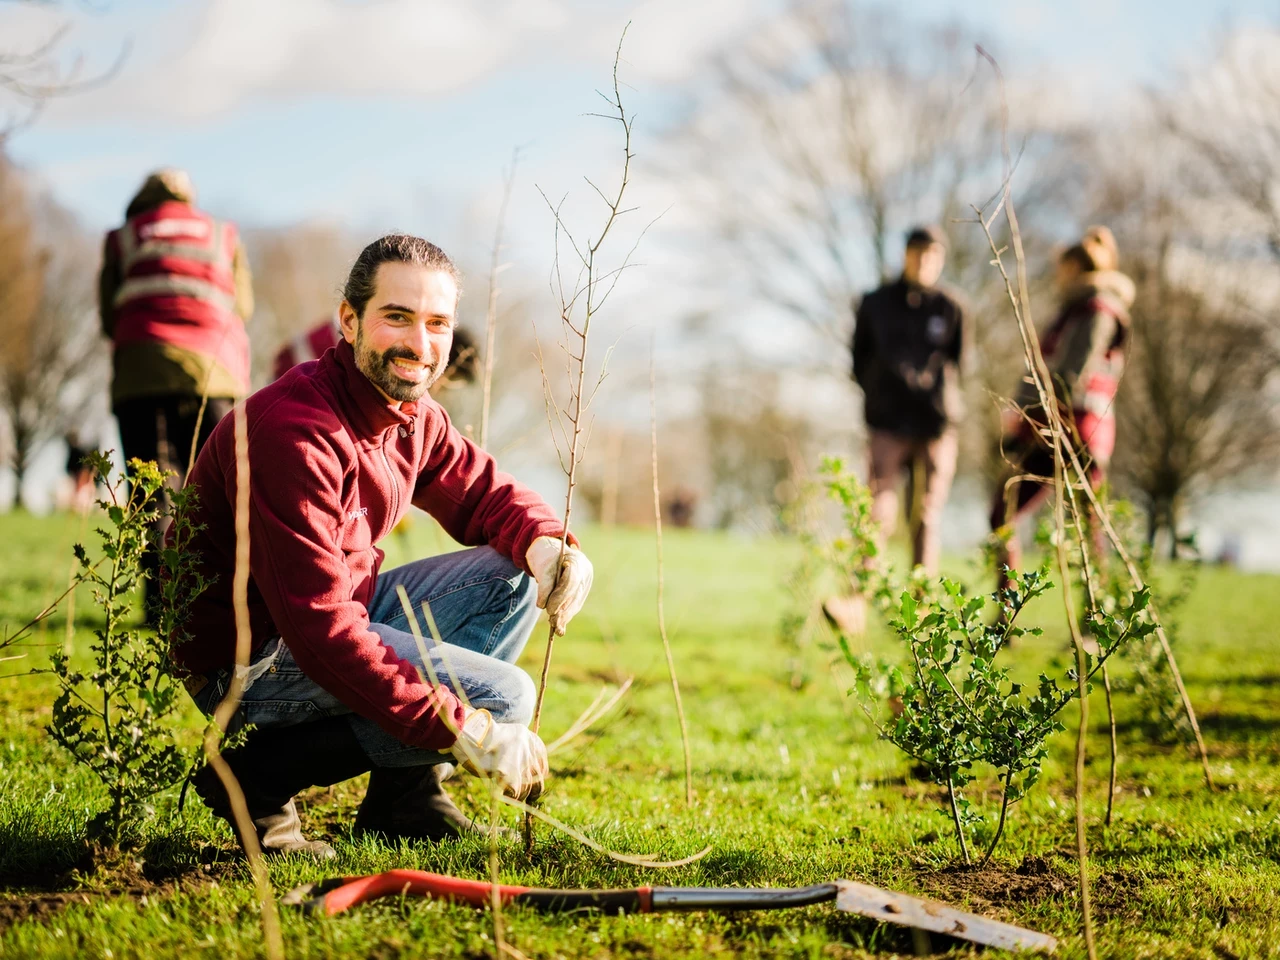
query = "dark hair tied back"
x=393 y=248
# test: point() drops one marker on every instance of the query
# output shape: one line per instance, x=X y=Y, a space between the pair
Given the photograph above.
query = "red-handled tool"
x=330 y=897
x=333 y=896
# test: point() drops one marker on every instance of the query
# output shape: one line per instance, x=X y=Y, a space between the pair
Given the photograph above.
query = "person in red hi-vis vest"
x=1085 y=350
x=174 y=295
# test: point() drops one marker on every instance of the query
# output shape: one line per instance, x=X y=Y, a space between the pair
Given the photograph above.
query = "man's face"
x=923 y=263
x=402 y=341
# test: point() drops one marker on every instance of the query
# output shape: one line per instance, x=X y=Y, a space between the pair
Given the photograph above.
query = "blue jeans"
x=485 y=608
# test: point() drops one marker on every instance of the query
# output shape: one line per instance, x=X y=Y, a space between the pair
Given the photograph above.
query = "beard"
x=377 y=367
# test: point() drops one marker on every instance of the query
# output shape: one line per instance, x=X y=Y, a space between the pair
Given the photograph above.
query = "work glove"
x=510 y=753
x=563 y=596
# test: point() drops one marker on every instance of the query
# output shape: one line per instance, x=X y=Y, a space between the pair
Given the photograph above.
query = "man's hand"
x=562 y=596
x=512 y=754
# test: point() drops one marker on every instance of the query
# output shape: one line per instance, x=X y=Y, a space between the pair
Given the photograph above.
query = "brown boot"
x=275 y=763
x=281 y=832
x=408 y=803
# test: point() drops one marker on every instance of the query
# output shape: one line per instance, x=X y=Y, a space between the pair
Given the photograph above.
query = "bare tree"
x=754 y=446
x=53 y=369
x=1228 y=113
x=31 y=74
x=817 y=141
x=1199 y=405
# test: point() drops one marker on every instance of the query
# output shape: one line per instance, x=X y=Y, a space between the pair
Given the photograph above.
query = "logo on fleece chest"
x=382 y=490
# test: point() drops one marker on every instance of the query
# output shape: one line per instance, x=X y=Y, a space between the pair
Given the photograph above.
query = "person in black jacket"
x=906 y=357
x=907 y=343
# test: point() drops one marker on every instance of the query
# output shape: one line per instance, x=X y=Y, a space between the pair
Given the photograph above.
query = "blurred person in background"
x=907 y=343
x=80 y=474
x=308 y=345
x=174 y=296
x=1084 y=350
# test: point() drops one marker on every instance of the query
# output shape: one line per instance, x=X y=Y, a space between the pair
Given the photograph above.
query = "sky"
x=403 y=113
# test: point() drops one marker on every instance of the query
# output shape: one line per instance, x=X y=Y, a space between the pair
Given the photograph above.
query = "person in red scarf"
x=1084 y=350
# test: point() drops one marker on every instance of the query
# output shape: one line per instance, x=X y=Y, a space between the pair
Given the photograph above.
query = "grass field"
x=791 y=789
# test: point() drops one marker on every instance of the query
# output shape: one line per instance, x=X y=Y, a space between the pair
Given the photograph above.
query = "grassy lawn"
x=791 y=789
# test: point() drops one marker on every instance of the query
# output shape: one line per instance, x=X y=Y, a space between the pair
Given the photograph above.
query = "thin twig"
x=17 y=635
x=1091 y=592
x=662 y=619
x=578 y=334
x=1004 y=809
x=274 y=941
x=204 y=404
x=495 y=892
x=1082 y=685
x=499 y=936
x=1043 y=382
x=491 y=309
x=590 y=717
x=641 y=860
x=1115 y=755
x=955 y=815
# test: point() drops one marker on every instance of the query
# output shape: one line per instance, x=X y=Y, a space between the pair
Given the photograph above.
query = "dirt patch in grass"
x=996 y=889
x=105 y=874
x=39 y=906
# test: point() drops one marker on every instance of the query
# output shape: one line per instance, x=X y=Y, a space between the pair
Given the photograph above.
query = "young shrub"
x=956 y=709
x=118 y=718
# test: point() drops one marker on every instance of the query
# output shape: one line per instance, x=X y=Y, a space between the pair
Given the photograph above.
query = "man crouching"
x=338 y=449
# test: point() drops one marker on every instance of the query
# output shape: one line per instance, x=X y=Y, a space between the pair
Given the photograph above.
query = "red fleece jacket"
x=333 y=466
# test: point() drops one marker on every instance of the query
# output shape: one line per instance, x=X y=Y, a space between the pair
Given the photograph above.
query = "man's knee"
x=509 y=695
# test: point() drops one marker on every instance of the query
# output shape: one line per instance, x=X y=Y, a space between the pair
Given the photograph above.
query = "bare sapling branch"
x=575 y=335
x=226 y=710
x=496 y=266
x=1086 y=574
x=662 y=619
x=579 y=304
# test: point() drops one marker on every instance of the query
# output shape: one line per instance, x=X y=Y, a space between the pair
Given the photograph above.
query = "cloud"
x=192 y=64
x=394 y=48
x=668 y=39
x=235 y=52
